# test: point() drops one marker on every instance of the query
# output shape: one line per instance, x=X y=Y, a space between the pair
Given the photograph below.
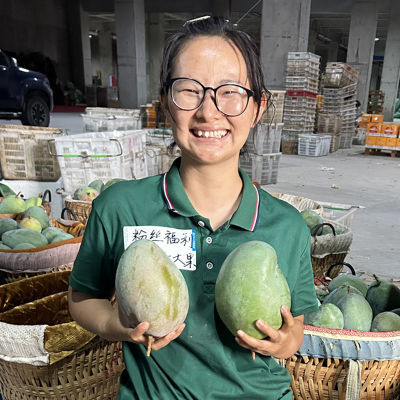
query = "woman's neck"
x=215 y=191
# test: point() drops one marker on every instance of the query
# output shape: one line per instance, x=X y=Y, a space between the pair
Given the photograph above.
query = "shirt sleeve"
x=93 y=271
x=304 y=298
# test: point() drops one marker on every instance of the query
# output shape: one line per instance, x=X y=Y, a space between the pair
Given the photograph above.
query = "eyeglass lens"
x=189 y=94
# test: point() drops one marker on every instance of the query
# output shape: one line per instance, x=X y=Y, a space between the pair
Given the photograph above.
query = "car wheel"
x=36 y=112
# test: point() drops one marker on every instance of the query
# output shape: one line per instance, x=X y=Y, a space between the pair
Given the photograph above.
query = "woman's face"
x=205 y=135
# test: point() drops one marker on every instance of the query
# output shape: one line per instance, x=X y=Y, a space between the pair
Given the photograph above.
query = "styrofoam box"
x=261 y=168
x=265 y=138
x=101 y=155
x=314 y=145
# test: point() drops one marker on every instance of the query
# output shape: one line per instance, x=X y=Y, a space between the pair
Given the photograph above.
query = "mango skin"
x=251 y=286
x=327 y=316
x=349 y=280
x=149 y=287
x=16 y=236
x=383 y=295
x=337 y=294
x=357 y=312
x=386 y=321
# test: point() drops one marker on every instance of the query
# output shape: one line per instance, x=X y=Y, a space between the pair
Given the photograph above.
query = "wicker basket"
x=335 y=364
x=59 y=359
x=320 y=266
x=300 y=203
x=80 y=208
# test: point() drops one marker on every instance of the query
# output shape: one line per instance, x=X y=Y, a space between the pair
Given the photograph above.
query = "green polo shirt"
x=205 y=362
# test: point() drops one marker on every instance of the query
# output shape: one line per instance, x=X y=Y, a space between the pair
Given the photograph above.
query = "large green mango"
x=386 y=321
x=149 y=287
x=251 y=286
x=311 y=218
x=327 y=316
x=383 y=295
x=357 y=313
x=348 y=280
x=17 y=236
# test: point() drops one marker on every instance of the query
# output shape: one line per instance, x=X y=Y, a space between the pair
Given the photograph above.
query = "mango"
x=12 y=205
x=111 y=182
x=336 y=295
x=311 y=218
x=6 y=190
x=357 y=313
x=97 y=185
x=386 y=321
x=85 y=193
x=51 y=232
x=40 y=214
x=24 y=246
x=327 y=316
x=349 y=280
x=33 y=201
x=251 y=286
x=149 y=287
x=7 y=224
x=4 y=247
x=30 y=223
x=383 y=295
x=16 y=236
x=60 y=237
x=396 y=311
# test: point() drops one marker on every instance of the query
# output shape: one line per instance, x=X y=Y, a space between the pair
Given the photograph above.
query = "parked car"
x=24 y=94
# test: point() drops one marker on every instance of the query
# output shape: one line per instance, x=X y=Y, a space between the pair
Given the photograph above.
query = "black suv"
x=24 y=94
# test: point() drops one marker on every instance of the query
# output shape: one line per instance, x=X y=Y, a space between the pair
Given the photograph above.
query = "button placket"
x=209 y=240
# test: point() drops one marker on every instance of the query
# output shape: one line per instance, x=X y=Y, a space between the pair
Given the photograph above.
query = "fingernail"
x=171 y=335
x=285 y=309
x=144 y=325
x=240 y=333
x=260 y=322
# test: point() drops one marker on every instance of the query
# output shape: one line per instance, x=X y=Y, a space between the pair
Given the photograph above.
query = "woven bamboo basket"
x=300 y=203
x=336 y=364
x=80 y=209
x=46 y=355
x=330 y=248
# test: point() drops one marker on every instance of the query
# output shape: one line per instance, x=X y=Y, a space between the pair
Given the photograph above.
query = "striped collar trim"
x=166 y=197
x=256 y=212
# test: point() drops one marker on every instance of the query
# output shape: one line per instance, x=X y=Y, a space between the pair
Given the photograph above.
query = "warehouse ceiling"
x=330 y=20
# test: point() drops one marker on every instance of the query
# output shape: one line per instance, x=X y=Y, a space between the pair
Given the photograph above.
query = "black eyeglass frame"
x=249 y=92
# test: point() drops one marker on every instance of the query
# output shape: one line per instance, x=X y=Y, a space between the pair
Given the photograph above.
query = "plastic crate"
x=314 y=145
x=101 y=155
x=108 y=122
x=265 y=138
x=346 y=139
x=261 y=168
x=24 y=153
x=338 y=212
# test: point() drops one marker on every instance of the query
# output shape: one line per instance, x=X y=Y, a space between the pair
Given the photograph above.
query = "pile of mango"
x=93 y=189
x=350 y=303
x=31 y=230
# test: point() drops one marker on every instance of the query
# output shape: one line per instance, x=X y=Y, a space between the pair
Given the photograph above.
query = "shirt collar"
x=246 y=216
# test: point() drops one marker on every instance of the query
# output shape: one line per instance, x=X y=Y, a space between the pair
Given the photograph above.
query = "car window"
x=4 y=60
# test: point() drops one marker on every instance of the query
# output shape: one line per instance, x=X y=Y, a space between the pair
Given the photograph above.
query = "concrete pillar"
x=76 y=59
x=284 y=27
x=105 y=52
x=221 y=8
x=131 y=49
x=156 y=43
x=360 y=49
x=391 y=62
x=86 y=52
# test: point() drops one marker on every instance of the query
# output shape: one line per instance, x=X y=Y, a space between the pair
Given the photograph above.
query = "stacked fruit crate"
x=301 y=81
x=330 y=124
x=262 y=156
x=274 y=111
x=339 y=84
x=376 y=98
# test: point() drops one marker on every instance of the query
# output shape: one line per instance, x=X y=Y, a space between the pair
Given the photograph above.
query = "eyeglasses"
x=230 y=99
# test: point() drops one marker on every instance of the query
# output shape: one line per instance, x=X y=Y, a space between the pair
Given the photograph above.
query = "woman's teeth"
x=216 y=134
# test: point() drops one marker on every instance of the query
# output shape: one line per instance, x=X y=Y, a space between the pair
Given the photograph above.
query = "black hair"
x=215 y=26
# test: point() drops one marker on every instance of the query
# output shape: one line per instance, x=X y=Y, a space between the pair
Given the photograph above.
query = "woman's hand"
x=281 y=343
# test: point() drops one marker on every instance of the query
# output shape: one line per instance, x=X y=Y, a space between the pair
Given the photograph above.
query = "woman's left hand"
x=281 y=343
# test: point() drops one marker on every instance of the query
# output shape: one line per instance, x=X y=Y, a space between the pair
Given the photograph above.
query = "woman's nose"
x=208 y=108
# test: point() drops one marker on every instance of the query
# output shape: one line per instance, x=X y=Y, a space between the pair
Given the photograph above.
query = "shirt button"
x=209 y=265
x=209 y=240
x=201 y=223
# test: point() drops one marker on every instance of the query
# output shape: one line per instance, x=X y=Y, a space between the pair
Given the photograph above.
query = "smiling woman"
x=213 y=93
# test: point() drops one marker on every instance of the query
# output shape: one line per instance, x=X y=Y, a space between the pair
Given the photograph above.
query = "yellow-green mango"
x=149 y=287
x=251 y=286
x=31 y=223
x=12 y=205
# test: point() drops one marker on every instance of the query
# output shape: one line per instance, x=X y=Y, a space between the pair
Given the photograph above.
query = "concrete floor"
x=347 y=176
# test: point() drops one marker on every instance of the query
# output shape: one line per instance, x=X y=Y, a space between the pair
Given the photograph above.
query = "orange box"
x=370 y=140
x=389 y=129
x=381 y=141
x=378 y=118
x=362 y=124
x=391 y=142
x=373 y=127
x=366 y=118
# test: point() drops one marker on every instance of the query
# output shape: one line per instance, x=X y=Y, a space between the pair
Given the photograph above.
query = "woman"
x=212 y=92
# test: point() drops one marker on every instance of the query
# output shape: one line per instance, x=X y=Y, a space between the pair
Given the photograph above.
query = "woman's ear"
x=165 y=107
x=263 y=106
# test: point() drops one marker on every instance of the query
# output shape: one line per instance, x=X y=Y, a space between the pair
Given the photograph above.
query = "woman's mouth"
x=210 y=134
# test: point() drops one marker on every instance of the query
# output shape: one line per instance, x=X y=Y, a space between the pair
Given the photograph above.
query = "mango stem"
x=150 y=341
